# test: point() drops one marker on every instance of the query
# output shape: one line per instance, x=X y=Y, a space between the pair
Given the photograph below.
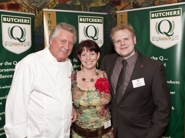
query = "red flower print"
x=102 y=85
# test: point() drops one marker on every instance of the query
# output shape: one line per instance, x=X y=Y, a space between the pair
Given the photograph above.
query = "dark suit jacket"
x=144 y=111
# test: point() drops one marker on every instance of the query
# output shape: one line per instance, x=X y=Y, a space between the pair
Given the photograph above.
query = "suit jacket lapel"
x=112 y=63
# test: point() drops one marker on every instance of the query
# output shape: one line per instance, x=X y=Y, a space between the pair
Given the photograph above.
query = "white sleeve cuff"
x=16 y=132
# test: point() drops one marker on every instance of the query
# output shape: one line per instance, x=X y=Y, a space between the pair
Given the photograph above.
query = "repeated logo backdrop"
x=107 y=6
x=16 y=41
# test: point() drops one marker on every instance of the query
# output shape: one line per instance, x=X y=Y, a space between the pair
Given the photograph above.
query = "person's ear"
x=134 y=39
x=50 y=41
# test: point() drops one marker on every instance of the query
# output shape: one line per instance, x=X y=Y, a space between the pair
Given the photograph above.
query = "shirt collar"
x=50 y=56
x=52 y=59
x=130 y=60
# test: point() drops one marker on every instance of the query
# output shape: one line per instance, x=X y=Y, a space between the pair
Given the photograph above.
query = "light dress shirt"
x=39 y=104
x=131 y=61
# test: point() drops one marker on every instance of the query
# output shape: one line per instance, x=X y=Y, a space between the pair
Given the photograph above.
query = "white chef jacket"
x=39 y=103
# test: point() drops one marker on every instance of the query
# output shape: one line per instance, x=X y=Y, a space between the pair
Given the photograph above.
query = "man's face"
x=62 y=45
x=124 y=43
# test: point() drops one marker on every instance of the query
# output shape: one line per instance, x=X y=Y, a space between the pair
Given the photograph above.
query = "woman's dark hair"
x=90 y=45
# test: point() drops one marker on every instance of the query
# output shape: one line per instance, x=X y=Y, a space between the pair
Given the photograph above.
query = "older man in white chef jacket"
x=39 y=103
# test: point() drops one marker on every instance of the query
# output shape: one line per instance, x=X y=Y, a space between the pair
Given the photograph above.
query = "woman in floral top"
x=91 y=95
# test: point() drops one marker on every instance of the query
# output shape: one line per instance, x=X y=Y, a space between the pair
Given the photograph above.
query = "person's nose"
x=88 y=57
x=122 y=42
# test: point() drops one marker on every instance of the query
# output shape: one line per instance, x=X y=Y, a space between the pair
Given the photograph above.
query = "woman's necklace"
x=92 y=79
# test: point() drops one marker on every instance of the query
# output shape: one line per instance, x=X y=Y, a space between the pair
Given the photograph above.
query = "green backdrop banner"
x=160 y=35
x=89 y=25
x=16 y=41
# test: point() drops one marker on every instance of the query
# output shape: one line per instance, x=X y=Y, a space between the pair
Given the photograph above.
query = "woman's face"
x=89 y=59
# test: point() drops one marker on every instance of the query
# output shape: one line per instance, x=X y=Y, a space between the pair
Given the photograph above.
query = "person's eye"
x=117 y=41
x=71 y=44
x=63 y=41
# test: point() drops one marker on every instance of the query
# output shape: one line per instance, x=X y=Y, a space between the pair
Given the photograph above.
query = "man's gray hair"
x=64 y=26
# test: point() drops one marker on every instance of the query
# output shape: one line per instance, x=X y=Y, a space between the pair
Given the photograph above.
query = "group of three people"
x=40 y=105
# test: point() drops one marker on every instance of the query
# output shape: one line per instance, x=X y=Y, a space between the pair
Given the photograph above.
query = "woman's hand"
x=74 y=115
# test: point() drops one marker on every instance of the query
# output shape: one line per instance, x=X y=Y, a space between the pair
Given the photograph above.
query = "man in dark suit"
x=143 y=109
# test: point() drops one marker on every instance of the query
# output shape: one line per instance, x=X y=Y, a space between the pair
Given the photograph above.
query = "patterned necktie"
x=119 y=87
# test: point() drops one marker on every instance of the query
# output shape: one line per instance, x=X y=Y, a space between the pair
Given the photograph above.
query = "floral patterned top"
x=91 y=106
